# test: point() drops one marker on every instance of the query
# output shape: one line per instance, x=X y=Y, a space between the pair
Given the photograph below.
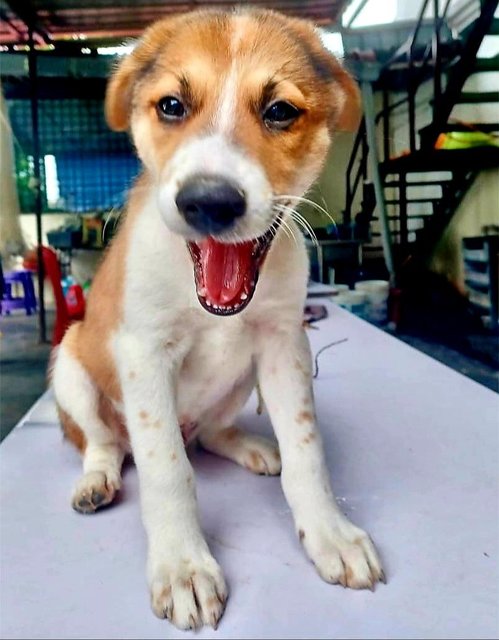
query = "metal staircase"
x=398 y=204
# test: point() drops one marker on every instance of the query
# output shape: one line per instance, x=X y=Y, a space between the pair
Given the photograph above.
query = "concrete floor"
x=23 y=367
x=480 y=368
x=23 y=364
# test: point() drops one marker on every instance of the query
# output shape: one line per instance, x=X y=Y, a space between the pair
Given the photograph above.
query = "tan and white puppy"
x=201 y=294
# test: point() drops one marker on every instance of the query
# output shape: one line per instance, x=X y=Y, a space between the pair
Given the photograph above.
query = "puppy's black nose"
x=210 y=204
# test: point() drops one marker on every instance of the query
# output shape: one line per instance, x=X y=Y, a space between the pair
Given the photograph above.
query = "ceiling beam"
x=25 y=11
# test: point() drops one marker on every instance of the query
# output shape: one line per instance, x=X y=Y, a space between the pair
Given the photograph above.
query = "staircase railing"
x=352 y=182
x=461 y=70
x=417 y=65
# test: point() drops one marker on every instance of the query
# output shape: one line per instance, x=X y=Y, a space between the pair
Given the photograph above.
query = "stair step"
x=487 y=64
x=417 y=183
x=411 y=216
x=494 y=28
x=486 y=127
x=477 y=97
x=412 y=200
x=473 y=159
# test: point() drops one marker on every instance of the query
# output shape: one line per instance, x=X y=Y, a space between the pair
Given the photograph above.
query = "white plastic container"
x=353 y=301
x=340 y=288
x=376 y=292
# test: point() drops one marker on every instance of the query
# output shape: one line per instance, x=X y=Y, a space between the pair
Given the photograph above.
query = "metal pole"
x=404 y=230
x=370 y=114
x=435 y=45
x=386 y=125
x=33 y=78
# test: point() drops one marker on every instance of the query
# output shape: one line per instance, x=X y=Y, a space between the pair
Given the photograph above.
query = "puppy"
x=201 y=294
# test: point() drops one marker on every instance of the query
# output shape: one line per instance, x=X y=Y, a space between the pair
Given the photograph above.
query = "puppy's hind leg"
x=78 y=404
x=256 y=453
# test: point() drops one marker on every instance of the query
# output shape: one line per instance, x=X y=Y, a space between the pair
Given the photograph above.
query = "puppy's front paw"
x=343 y=554
x=94 y=490
x=190 y=593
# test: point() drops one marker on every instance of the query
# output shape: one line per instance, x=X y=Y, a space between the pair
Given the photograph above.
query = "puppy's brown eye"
x=280 y=115
x=170 y=108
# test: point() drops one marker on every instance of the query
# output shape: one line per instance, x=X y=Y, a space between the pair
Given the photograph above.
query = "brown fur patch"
x=348 y=575
x=113 y=419
x=150 y=454
x=72 y=431
x=299 y=366
x=308 y=439
x=156 y=424
x=166 y=592
x=132 y=375
x=301 y=534
x=143 y=415
x=304 y=416
x=232 y=433
x=255 y=459
x=173 y=457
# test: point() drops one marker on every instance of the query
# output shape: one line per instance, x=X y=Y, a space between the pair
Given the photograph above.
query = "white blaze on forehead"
x=226 y=111
x=225 y=118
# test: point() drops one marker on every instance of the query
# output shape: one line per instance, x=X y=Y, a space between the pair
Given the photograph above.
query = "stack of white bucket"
x=376 y=292
x=369 y=300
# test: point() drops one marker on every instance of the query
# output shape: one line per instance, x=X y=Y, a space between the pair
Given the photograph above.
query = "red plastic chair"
x=69 y=308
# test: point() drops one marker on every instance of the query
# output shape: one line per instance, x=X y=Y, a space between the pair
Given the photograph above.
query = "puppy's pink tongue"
x=225 y=269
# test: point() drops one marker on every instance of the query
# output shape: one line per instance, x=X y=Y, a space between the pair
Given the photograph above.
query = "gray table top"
x=413 y=451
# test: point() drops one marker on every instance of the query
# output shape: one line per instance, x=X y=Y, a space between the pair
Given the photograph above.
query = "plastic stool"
x=27 y=301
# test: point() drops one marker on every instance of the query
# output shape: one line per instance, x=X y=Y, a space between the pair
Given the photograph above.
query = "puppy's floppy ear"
x=120 y=87
x=349 y=103
x=119 y=94
x=345 y=100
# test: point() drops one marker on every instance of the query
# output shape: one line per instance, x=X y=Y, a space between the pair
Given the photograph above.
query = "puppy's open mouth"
x=226 y=274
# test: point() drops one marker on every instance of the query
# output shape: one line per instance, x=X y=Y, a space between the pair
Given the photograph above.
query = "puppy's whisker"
x=309 y=202
x=283 y=223
x=288 y=230
x=110 y=214
x=301 y=221
x=316 y=206
x=305 y=225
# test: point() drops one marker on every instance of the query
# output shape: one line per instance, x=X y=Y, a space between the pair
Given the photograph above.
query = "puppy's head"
x=230 y=113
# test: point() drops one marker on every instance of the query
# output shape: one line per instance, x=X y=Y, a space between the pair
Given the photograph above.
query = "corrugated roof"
x=107 y=20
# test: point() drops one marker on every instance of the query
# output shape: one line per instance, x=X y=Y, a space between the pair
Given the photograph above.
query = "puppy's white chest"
x=219 y=360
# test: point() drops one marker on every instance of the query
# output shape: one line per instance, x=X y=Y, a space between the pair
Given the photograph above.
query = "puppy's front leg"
x=341 y=552
x=186 y=583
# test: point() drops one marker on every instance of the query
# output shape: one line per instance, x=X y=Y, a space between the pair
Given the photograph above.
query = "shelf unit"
x=481 y=276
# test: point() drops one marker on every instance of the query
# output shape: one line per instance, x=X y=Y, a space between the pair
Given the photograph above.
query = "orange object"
x=441 y=140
